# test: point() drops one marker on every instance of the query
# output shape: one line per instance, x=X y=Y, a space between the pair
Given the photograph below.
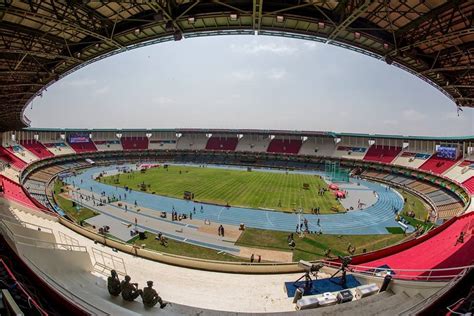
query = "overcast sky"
x=248 y=82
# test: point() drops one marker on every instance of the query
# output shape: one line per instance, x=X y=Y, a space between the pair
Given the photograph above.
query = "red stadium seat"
x=438 y=165
x=134 y=143
x=469 y=184
x=83 y=147
x=384 y=154
x=38 y=149
x=285 y=146
x=222 y=143
x=13 y=191
x=9 y=158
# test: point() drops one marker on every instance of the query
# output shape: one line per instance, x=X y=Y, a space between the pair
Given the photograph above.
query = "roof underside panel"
x=43 y=41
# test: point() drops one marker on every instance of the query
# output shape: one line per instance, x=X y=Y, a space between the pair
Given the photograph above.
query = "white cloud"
x=454 y=115
x=413 y=115
x=310 y=44
x=163 y=100
x=243 y=75
x=82 y=82
x=276 y=74
x=255 y=48
x=102 y=90
x=390 y=122
x=343 y=114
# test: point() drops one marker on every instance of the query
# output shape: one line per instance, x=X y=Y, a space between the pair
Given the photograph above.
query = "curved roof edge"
x=252 y=131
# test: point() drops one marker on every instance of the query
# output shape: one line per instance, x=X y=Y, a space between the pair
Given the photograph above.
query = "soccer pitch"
x=255 y=189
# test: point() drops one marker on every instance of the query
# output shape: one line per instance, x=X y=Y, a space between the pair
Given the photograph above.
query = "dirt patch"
x=231 y=233
x=266 y=255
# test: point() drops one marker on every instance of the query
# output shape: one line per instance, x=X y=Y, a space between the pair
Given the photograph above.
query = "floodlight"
x=191 y=20
x=234 y=16
x=280 y=18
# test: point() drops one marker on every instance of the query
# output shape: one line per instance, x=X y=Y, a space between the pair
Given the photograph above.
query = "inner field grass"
x=313 y=247
x=416 y=205
x=256 y=189
x=66 y=205
x=184 y=249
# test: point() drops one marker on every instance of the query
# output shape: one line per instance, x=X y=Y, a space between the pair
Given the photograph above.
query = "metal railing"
x=429 y=300
x=29 y=241
x=444 y=274
x=31 y=300
x=106 y=262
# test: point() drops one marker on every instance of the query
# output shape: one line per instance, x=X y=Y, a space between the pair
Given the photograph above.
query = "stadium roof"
x=43 y=41
x=253 y=132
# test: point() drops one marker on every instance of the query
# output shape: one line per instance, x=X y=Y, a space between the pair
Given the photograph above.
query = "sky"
x=248 y=82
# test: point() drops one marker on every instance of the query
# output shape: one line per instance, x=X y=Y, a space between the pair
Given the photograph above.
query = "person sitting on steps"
x=130 y=291
x=113 y=284
x=150 y=297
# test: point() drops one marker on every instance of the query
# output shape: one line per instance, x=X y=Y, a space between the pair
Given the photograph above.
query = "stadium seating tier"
x=285 y=146
x=438 y=165
x=222 y=143
x=385 y=154
x=134 y=143
x=83 y=147
x=8 y=157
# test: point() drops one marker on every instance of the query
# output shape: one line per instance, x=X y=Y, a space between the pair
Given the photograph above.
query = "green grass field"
x=184 y=249
x=254 y=189
x=66 y=205
x=415 y=204
x=312 y=247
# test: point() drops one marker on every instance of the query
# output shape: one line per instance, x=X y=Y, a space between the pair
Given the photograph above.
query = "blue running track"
x=371 y=220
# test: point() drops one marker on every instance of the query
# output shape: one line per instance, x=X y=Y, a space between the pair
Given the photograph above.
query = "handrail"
x=20 y=286
x=38 y=243
x=75 y=298
x=423 y=303
x=24 y=223
x=397 y=273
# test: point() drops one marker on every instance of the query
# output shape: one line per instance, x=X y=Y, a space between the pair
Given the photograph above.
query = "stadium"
x=233 y=221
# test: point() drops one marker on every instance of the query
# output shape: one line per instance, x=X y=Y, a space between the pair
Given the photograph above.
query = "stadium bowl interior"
x=56 y=259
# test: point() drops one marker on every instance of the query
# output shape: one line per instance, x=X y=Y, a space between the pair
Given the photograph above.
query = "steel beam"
x=44 y=18
x=257 y=14
x=348 y=21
